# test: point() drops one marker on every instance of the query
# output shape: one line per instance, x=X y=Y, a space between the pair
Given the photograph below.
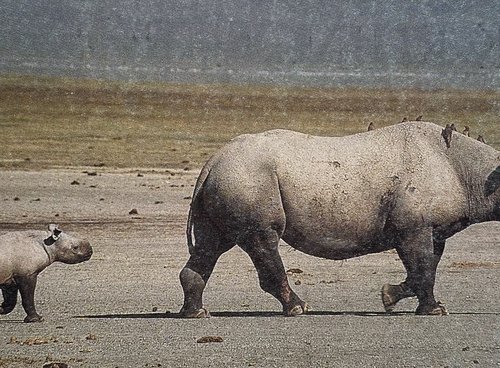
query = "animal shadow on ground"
x=239 y=314
x=250 y=314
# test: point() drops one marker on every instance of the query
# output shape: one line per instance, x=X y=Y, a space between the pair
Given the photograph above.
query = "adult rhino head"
x=24 y=254
x=401 y=187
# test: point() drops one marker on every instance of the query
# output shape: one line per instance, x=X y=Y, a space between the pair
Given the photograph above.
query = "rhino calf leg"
x=27 y=287
x=9 y=299
x=420 y=255
x=262 y=247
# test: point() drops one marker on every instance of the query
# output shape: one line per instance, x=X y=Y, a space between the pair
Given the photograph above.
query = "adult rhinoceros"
x=337 y=198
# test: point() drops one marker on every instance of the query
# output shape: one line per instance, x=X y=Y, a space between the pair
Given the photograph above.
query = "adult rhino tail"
x=194 y=208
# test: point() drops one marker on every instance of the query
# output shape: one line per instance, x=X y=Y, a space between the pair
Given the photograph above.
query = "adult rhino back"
x=337 y=197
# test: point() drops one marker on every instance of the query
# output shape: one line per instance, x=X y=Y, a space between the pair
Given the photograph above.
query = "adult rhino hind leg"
x=210 y=245
x=420 y=254
x=262 y=247
x=9 y=299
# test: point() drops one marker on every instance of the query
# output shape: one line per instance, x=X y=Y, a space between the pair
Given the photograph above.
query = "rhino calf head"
x=65 y=248
x=24 y=254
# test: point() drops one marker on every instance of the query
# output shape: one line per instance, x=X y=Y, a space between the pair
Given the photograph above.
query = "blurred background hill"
x=423 y=44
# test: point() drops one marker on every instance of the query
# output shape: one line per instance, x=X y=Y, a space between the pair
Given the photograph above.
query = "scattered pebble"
x=75 y=182
x=298 y=282
x=155 y=309
x=17 y=199
x=133 y=211
x=206 y=339
x=294 y=270
x=91 y=337
x=30 y=341
x=55 y=365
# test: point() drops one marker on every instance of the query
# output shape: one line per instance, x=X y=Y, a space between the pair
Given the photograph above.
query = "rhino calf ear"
x=492 y=182
x=54 y=229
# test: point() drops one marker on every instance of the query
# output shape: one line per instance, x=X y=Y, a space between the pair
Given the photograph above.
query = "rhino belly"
x=331 y=231
x=331 y=246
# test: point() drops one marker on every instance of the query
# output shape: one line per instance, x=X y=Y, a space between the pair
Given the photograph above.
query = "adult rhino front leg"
x=420 y=254
x=210 y=245
x=9 y=293
x=262 y=247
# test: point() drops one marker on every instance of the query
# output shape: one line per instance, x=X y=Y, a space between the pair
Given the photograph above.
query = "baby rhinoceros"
x=24 y=254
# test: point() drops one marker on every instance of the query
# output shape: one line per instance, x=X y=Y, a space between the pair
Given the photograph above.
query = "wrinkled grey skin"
x=339 y=197
x=23 y=255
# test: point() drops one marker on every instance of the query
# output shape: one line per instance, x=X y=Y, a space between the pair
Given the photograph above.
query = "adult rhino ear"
x=492 y=182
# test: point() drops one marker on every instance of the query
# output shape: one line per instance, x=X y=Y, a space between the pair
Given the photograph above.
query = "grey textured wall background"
x=430 y=44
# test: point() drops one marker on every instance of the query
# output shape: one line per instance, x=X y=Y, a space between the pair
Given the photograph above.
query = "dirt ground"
x=120 y=308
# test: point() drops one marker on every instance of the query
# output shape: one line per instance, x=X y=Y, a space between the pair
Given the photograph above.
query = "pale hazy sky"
x=445 y=43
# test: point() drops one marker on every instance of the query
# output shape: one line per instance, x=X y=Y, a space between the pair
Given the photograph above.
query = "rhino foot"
x=198 y=313
x=297 y=310
x=33 y=318
x=432 y=310
x=391 y=294
x=390 y=297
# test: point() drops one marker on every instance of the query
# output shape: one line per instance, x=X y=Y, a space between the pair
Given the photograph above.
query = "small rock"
x=55 y=365
x=206 y=339
x=92 y=173
x=155 y=309
x=17 y=199
x=140 y=175
x=298 y=282
x=91 y=337
x=75 y=182
x=294 y=270
x=133 y=211
x=158 y=202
